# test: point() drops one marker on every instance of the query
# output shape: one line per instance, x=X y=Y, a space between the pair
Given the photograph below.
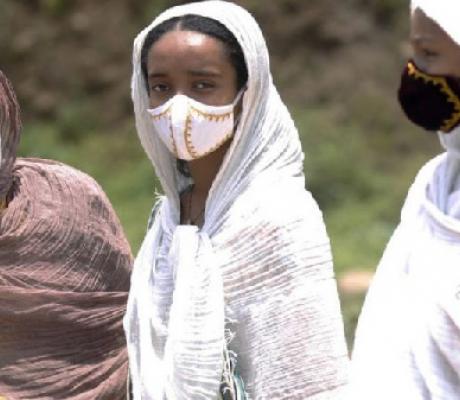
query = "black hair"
x=207 y=26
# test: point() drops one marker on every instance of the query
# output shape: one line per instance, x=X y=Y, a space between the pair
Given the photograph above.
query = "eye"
x=429 y=53
x=203 y=85
x=159 y=87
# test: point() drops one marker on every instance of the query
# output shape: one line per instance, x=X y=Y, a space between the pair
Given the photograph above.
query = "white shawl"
x=407 y=343
x=260 y=269
x=408 y=337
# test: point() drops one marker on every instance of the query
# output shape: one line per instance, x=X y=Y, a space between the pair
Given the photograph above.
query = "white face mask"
x=191 y=129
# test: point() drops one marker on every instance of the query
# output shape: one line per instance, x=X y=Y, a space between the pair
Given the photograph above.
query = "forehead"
x=187 y=48
x=423 y=28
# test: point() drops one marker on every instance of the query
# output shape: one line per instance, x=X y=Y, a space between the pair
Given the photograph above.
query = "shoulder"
x=426 y=173
x=283 y=213
x=425 y=177
x=66 y=190
x=280 y=204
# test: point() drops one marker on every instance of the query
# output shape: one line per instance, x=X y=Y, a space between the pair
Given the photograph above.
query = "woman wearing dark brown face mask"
x=408 y=334
x=430 y=85
x=64 y=278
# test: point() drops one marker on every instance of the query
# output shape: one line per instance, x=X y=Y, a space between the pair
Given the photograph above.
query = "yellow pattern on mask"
x=449 y=123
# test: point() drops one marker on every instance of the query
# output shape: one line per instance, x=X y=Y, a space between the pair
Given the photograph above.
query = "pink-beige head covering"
x=10 y=127
x=64 y=278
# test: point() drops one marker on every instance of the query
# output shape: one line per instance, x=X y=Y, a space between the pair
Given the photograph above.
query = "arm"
x=290 y=340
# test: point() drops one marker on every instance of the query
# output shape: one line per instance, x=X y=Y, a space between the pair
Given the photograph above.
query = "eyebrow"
x=203 y=72
x=154 y=75
x=422 y=38
x=193 y=72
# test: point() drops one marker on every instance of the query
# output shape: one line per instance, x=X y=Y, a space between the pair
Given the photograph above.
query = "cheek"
x=153 y=103
x=457 y=67
x=230 y=95
x=438 y=67
x=420 y=62
x=230 y=89
x=155 y=100
x=224 y=95
x=447 y=64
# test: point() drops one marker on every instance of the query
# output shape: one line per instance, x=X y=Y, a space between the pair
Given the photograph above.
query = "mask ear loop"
x=238 y=97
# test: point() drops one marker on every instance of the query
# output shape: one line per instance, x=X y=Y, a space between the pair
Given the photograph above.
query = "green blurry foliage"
x=55 y=7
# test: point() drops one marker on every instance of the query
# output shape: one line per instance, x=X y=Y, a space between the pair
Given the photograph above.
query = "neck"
x=204 y=170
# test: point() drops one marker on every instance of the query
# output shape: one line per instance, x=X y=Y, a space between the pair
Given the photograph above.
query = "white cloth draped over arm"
x=408 y=336
x=409 y=328
x=282 y=297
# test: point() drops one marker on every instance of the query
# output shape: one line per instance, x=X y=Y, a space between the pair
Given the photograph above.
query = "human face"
x=434 y=50
x=193 y=64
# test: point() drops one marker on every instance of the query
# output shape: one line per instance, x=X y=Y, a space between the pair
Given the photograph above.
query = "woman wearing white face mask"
x=233 y=292
x=408 y=336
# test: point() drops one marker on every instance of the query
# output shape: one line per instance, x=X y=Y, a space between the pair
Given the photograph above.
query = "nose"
x=420 y=62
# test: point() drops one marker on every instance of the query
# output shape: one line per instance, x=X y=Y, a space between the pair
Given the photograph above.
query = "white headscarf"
x=261 y=261
x=446 y=13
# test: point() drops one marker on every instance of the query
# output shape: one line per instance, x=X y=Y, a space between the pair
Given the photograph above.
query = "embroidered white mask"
x=191 y=129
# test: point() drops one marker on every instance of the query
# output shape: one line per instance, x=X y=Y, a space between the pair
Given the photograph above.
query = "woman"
x=408 y=335
x=64 y=278
x=233 y=292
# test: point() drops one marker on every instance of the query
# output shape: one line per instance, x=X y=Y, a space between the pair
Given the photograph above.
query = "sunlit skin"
x=194 y=64
x=435 y=52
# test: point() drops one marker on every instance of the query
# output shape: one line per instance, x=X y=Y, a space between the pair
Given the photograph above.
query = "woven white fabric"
x=445 y=12
x=409 y=328
x=259 y=270
x=451 y=142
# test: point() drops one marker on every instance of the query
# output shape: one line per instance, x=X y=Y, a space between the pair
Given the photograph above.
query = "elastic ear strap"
x=235 y=102
x=239 y=96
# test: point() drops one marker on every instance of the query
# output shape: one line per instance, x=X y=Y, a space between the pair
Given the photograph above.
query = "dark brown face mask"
x=430 y=101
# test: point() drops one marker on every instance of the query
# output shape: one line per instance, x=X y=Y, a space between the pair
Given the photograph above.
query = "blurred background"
x=336 y=64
